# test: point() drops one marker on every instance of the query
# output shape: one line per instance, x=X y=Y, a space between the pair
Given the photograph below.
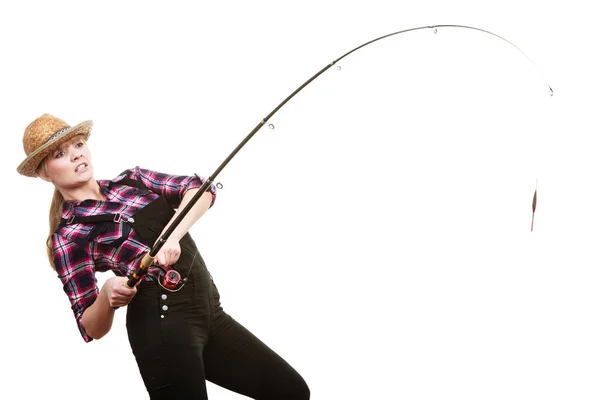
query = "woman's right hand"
x=117 y=292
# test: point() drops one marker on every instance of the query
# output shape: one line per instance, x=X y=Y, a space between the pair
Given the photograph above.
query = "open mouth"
x=81 y=167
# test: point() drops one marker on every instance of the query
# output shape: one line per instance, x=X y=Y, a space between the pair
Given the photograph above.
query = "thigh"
x=237 y=360
x=167 y=347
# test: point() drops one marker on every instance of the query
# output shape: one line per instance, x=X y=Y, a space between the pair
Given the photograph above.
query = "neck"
x=90 y=191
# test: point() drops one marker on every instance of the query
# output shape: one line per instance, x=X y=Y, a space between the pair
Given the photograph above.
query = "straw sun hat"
x=42 y=135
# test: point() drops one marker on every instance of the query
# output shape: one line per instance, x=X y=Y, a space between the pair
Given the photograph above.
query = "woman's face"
x=69 y=166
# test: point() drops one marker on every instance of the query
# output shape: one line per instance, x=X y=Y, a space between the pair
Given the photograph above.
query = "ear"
x=41 y=173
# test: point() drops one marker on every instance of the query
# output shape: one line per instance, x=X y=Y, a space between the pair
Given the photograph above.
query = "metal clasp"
x=71 y=218
x=119 y=217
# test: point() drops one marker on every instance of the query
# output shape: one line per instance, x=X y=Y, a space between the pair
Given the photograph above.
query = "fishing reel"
x=169 y=278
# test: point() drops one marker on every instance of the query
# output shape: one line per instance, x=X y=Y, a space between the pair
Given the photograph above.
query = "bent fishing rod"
x=148 y=259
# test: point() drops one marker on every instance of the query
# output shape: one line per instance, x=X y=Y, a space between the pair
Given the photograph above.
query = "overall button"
x=165 y=308
x=163 y=296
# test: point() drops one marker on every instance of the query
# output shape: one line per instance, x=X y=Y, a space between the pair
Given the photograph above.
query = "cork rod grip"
x=140 y=271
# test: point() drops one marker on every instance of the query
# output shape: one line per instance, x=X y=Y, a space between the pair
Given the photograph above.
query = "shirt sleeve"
x=173 y=187
x=76 y=270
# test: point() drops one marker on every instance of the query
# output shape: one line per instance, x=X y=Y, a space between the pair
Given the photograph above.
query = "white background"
x=379 y=237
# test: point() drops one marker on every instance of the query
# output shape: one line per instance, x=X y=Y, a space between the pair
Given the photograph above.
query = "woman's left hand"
x=168 y=254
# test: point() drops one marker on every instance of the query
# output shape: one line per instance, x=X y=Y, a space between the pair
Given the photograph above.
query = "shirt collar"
x=69 y=207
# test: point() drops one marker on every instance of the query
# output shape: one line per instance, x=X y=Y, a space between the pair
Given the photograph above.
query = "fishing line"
x=149 y=257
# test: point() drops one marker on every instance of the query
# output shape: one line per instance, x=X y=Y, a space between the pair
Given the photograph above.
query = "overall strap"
x=118 y=217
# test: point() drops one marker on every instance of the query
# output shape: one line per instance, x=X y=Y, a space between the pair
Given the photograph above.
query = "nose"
x=75 y=153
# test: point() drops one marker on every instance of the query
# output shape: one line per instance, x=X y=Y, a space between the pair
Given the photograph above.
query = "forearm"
x=98 y=318
x=199 y=208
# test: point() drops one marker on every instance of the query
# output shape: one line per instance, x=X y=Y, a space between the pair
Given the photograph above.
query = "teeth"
x=80 y=167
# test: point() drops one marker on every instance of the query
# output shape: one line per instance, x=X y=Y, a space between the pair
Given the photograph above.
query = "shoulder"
x=66 y=236
x=139 y=173
x=128 y=177
x=131 y=173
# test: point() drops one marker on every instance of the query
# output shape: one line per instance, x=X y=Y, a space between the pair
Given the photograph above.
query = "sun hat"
x=42 y=135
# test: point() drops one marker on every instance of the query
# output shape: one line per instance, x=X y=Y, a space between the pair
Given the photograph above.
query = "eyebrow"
x=63 y=145
x=74 y=140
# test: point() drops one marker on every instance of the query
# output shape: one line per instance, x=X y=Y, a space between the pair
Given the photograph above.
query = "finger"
x=119 y=301
x=125 y=290
x=116 y=302
x=164 y=258
x=124 y=282
x=170 y=258
x=174 y=256
x=160 y=258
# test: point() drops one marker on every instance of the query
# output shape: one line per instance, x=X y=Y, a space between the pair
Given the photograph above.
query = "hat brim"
x=30 y=165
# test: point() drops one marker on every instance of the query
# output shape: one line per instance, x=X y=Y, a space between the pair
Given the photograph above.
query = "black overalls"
x=182 y=337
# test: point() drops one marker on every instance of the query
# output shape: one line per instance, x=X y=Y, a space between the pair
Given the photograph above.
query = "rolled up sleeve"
x=173 y=187
x=76 y=270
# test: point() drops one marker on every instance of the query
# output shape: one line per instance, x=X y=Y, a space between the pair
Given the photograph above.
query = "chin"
x=83 y=178
x=89 y=172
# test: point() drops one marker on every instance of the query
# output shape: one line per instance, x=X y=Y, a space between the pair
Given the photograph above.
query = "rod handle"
x=140 y=271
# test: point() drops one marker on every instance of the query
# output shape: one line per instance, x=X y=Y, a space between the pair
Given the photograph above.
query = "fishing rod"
x=148 y=259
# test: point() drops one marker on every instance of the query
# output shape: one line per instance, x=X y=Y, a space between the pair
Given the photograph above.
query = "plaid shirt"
x=117 y=247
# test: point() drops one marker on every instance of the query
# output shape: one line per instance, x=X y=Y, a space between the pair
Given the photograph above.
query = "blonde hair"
x=54 y=220
x=56 y=205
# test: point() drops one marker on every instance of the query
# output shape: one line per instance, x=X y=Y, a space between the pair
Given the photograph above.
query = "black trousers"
x=182 y=338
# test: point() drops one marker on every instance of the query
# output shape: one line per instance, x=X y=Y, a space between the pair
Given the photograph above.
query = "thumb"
x=124 y=281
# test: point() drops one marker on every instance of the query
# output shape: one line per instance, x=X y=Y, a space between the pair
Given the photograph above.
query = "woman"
x=178 y=331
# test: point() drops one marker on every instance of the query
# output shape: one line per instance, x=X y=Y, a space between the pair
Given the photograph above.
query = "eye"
x=58 y=154
x=80 y=144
